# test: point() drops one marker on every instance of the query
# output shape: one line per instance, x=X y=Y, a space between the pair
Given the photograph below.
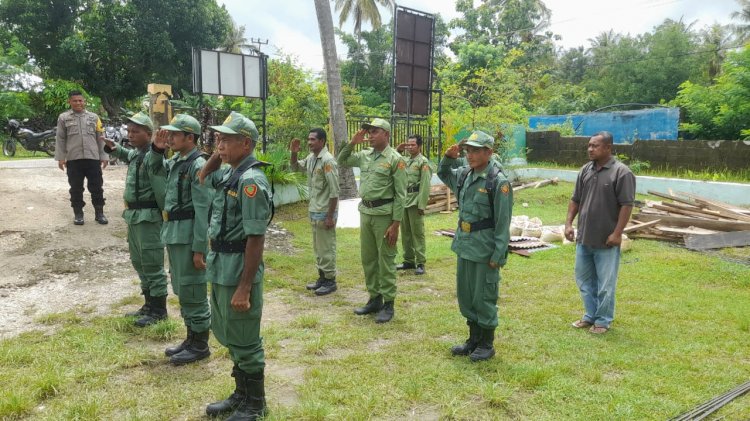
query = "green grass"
x=680 y=337
x=725 y=175
x=21 y=153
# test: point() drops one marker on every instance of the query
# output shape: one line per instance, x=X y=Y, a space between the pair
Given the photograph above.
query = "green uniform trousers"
x=147 y=256
x=477 y=287
x=378 y=258
x=239 y=332
x=189 y=284
x=324 y=246
x=412 y=236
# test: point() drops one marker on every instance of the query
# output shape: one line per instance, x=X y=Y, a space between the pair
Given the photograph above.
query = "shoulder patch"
x=251 y=190
x=401 y=165
x=505 y=188
x=328 y=168
x=425 y=167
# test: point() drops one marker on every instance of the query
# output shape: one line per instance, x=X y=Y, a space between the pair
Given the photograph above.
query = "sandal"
x=581 y=324
x=598 y=330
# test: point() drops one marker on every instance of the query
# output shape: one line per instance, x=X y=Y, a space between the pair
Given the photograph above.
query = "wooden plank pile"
x=693 y=220
x=442 y=200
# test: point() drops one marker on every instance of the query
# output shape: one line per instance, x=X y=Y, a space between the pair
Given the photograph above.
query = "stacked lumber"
x=441 y=200
x=690 y=219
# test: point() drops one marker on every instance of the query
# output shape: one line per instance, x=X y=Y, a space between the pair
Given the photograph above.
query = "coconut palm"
x=236 y=41
x=742 y=29
x=716 y=39
x=361 y=11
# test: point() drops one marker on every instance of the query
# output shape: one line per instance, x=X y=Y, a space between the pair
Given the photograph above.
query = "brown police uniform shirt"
x=600 y=195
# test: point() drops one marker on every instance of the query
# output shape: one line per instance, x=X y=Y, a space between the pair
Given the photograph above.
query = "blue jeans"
x=596 y=276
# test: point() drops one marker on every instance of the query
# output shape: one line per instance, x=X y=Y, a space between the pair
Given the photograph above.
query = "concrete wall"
x=625 y=126
x=696 y=155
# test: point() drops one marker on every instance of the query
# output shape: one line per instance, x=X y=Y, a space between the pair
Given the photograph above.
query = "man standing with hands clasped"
x=383 y=190
x=323 y=188
x=485 y=202
x=418 y=176
x=603 y=200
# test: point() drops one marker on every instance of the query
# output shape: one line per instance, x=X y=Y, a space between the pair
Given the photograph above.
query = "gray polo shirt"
x=600 y=195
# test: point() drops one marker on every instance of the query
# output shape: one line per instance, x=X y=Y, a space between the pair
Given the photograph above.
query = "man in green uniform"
x=485 y=202
x=184 y=232
x=241 y=210
x=418 y=176
x=323 y=187
x=144 y=199
x=382 y=187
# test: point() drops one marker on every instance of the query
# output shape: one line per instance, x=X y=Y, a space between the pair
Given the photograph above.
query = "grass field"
x=681 y=336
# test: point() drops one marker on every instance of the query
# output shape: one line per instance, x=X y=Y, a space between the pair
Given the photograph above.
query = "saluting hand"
x=452 y=152
x=400 y=148
x=359 y=137
x=294 y=146
x=161 y=139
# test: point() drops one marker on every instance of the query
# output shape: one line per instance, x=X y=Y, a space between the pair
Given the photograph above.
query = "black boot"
x=484 y=350
x=172 y=350
x=328 y=286
x=254 y=405
x=420 y=269
x=234 y=400
x=471 y=344
x=77 y=216
x=145 y=308
x=373 y=306
x=315 y=285
x=386 y=313
x=156 y=313
x=405 y=265
x=196 y=350
x=99 y=215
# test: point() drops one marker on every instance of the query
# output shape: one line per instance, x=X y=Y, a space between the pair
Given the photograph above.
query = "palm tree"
x=742 y=29
x=716 y=40
x=348 y=187
x=361 y=10
x=236 y=41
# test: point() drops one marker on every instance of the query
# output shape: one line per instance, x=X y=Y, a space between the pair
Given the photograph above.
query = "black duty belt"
x=220 y=246
x=476 y=226
x=178 y=215
x=376 y=203
x=151 y=204
x=413 y=189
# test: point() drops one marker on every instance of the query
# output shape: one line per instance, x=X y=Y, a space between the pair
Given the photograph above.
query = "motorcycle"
x=119 y=134
x=34 y=142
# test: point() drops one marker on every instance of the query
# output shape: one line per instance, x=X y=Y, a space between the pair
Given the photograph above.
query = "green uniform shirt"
x=187 y=194
x=248 y=211
x=152 y=180
x=474 y=205
x=382 y=176
x=418 y=174
x=322 y=179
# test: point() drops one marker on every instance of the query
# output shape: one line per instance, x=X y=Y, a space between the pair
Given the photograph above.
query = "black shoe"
x=471 y=344
x=253 y=407
x=420 y=269
x=315 y=285
x=373 y=306
x=485 y=350
x=145 y=308
x=328 y=286
x=234 y=400
x=78 y=216
x=156 y=313
x=99 y=215
x=386 y=313
x=172 y=350
x=405 y=265
x=196 y=350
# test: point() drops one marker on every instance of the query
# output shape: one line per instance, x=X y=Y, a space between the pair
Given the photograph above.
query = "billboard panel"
x=413 y=41
x=220 y=73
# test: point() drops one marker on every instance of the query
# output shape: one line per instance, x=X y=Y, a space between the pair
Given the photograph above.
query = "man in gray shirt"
x=602 y=199
x=79 y=153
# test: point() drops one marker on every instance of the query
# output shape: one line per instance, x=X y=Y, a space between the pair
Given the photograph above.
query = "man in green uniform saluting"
x=485 y=202
x=184 y=232
x=241 y=210
x=323 y=187
x=382 y=187
x=418 y=176
x=144 y=199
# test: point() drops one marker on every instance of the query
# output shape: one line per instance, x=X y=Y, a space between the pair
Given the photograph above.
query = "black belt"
x=476 y=226
x=142 y=205
x=376 y=203
x=413 y=189
x=178 y=215
x=220 y=246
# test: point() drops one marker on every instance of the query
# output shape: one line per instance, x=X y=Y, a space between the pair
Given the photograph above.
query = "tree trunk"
x=111 y=106
x=347 y=183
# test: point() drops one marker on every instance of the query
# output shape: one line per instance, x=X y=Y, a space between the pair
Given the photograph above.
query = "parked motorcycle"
x=35 y=142
x=119 y=134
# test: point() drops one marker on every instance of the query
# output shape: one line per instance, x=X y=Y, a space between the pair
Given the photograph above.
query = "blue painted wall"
x=625 y=126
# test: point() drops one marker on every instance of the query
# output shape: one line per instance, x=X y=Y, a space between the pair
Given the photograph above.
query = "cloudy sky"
x=290 y=26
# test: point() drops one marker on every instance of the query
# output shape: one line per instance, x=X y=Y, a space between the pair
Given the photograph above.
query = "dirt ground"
x=47 y=264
